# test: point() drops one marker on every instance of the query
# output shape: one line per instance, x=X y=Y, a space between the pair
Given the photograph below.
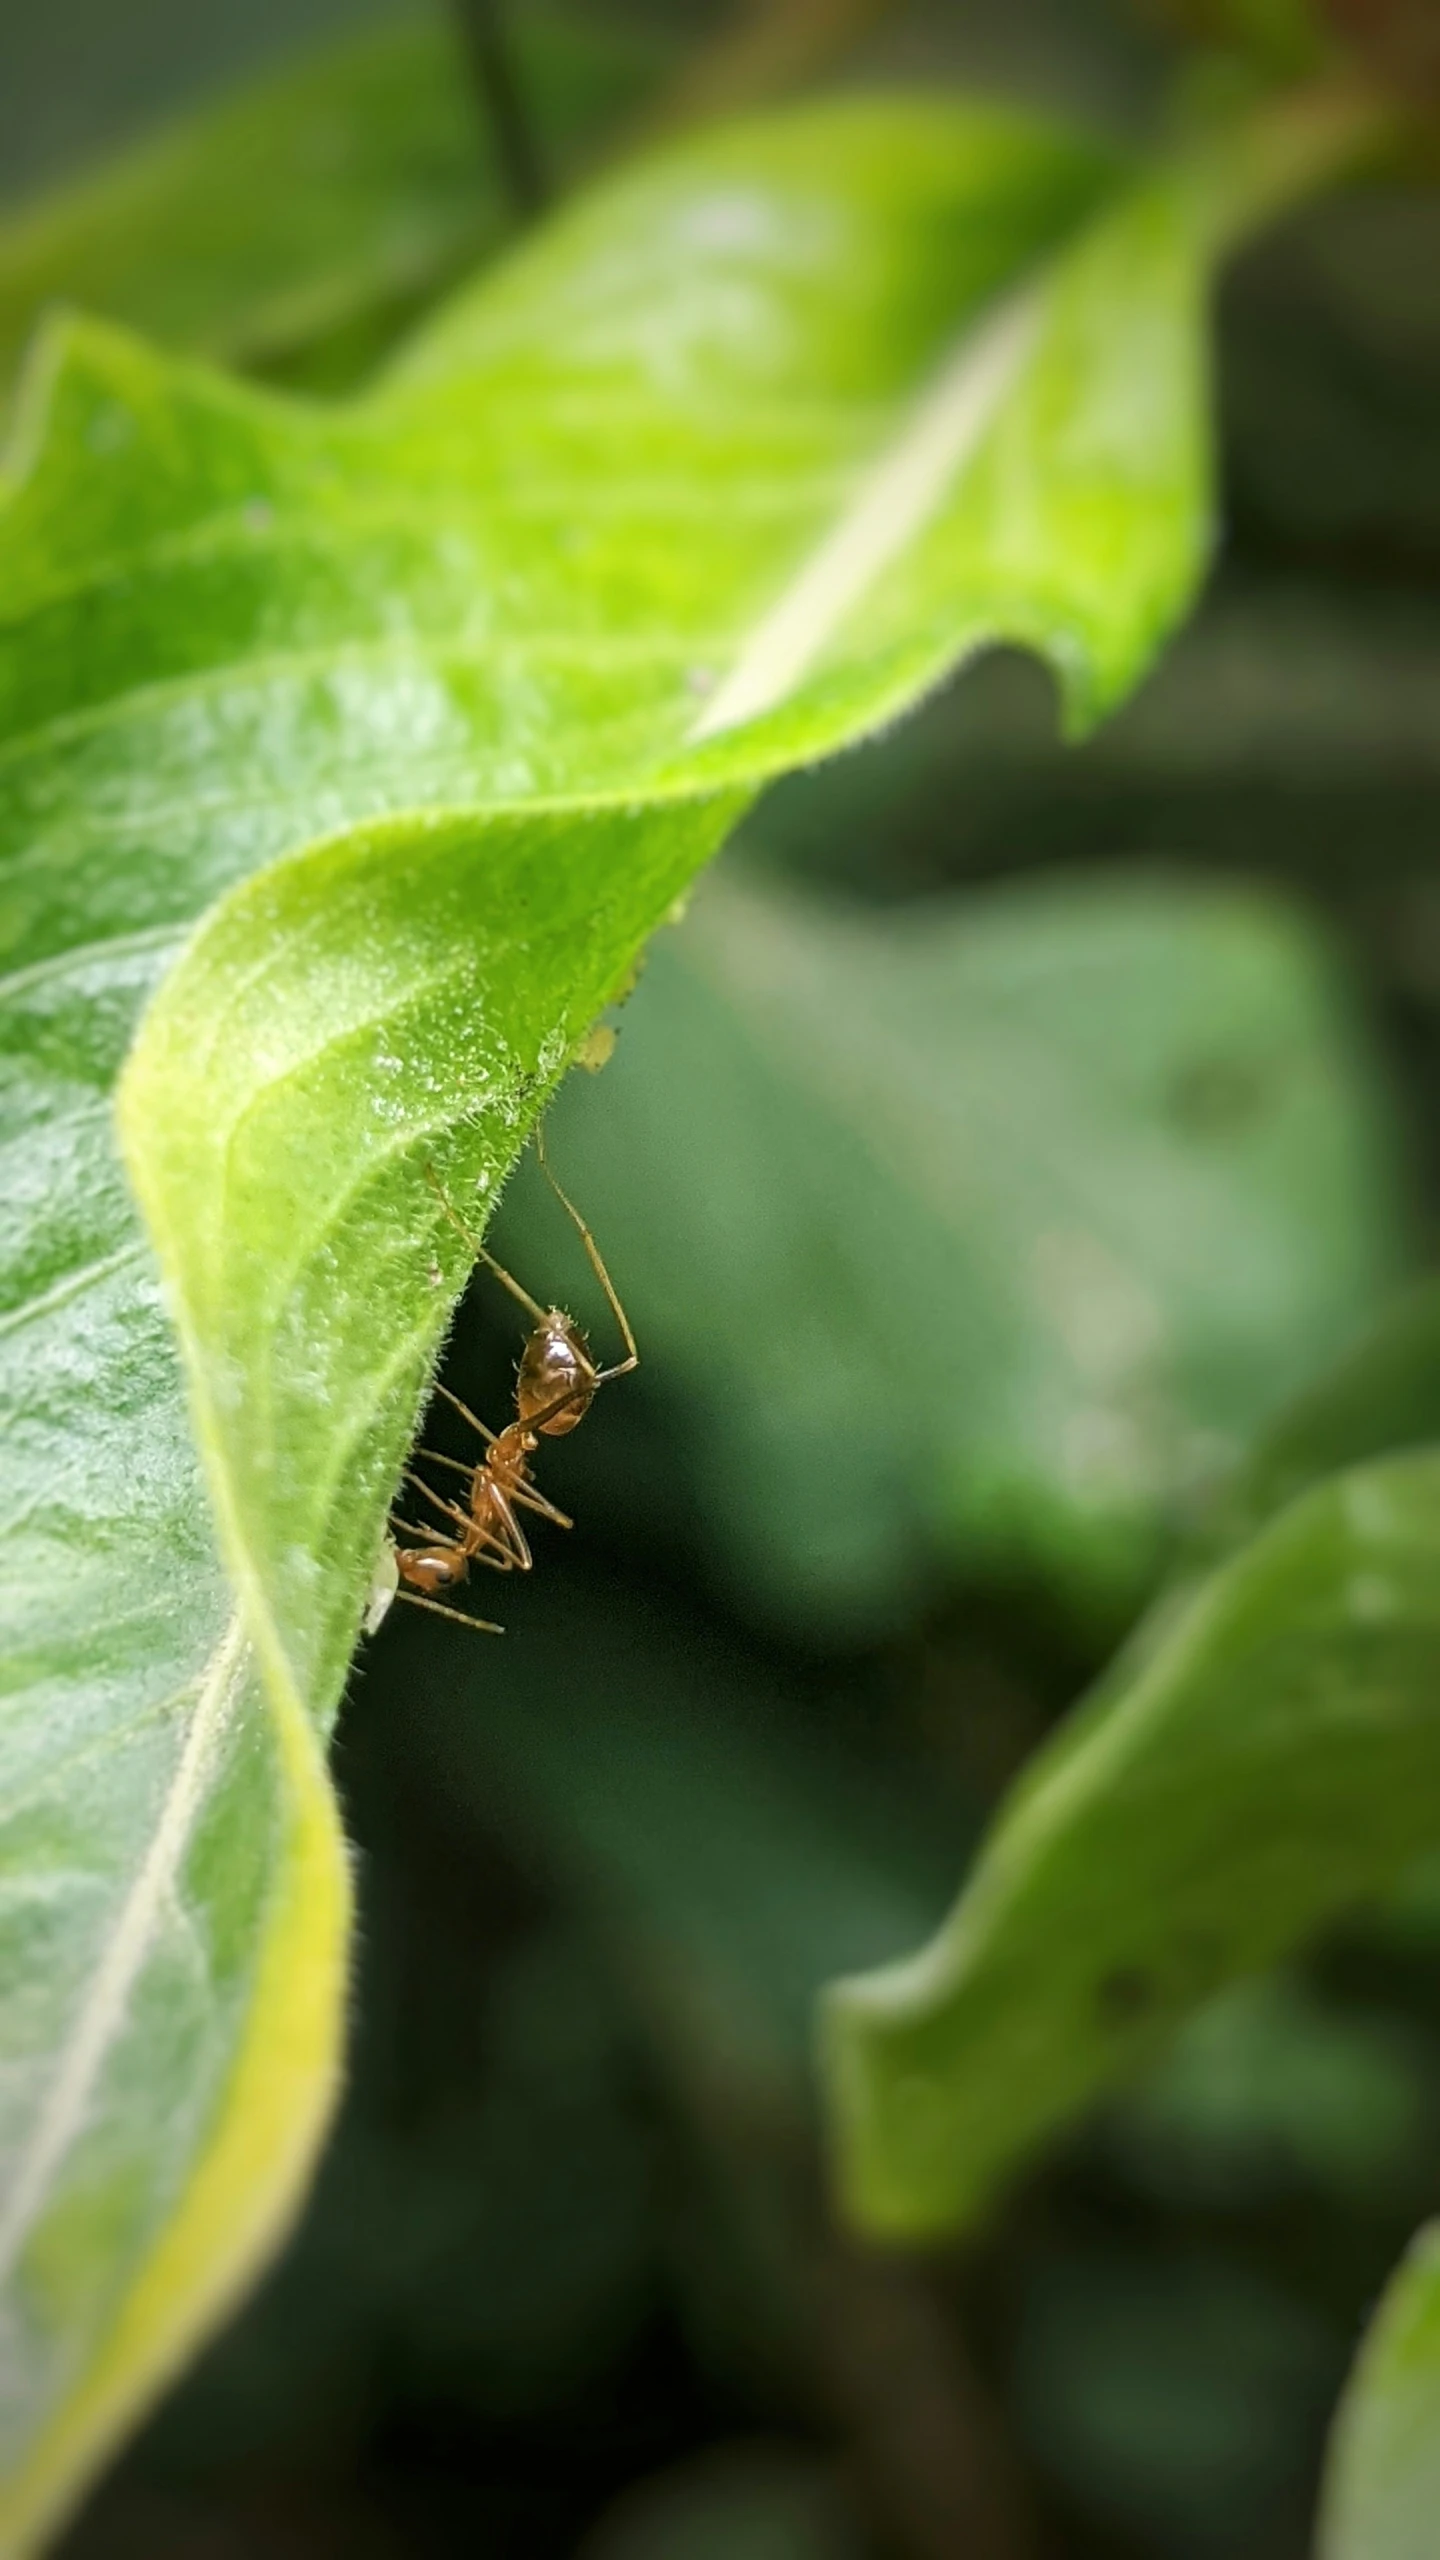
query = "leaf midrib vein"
x=103 y=2012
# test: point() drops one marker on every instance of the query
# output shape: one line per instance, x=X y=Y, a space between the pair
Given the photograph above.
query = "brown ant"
x=555 y=1385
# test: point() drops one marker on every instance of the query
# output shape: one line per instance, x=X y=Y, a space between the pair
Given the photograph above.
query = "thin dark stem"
x=501 y=100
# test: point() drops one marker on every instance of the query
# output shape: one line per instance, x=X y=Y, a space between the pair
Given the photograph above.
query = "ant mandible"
x=555 y=1385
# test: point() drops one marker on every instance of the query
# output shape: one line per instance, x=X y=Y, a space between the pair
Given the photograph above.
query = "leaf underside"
x=442 y=697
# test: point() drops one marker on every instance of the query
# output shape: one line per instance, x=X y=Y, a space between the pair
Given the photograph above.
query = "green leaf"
x=1283 y=1712
x=1383 y=1395
x=1383 y=2467
x=1114 y=1144
x=315 y=208
x=722 y=469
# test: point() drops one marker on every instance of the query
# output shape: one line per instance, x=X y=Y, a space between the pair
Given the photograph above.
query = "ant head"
x=438 y=1568
x=555 y=1365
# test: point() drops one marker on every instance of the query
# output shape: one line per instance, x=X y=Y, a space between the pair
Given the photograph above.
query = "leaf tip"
x=897 y=2171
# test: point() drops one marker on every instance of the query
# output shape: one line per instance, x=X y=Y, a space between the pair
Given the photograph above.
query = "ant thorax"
x=556 y=1370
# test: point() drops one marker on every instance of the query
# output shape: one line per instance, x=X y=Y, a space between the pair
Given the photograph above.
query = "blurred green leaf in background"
x=294 y=229
x=983 y=1235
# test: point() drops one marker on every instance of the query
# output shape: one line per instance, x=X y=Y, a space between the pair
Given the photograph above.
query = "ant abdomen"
x=556 y=1376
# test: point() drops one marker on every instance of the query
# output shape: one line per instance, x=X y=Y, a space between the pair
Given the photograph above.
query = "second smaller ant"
x=555 y=1385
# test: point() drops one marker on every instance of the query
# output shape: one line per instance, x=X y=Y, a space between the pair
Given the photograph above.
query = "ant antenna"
x=482 y=1253
x=632 y=1356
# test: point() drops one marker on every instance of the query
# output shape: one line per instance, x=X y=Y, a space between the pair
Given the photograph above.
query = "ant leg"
x=437 y=1609
x=447 y=1510
x=412 y=1529
x=534 y=1501
x=503 y=1549
x=502 y=1561
x=515 y=1540
x=438 y=1458
x=511 y=1549
x=473 y=1548
x=483 y=1428
x=631 y=1360
x=482 y=1252
x=471 y=1553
